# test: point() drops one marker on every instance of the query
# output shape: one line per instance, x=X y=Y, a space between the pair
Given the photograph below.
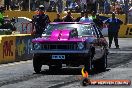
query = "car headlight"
x=80 y=46
x=37 y=46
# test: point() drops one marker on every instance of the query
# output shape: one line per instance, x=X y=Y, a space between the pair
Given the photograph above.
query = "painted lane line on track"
x=15 y=63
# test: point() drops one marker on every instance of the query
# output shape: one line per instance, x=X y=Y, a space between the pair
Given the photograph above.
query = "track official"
x=113 y=29
x=40 y=21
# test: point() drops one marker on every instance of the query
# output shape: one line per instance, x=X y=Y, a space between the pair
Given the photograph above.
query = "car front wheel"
x=89 y=64
x=101 y=64
x=36 y=64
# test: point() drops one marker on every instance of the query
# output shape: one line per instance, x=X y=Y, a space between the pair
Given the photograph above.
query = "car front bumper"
x=60 y=51
x=73 y=57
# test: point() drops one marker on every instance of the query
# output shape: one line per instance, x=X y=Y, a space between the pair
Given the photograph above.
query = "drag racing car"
x=70 y=43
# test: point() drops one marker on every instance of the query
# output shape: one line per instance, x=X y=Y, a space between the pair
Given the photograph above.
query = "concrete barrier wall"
x=7 y=50
x=126 y=31
x=23 y=47
x=15 y=48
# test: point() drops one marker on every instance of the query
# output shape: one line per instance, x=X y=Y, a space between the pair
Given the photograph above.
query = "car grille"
x=69 y=46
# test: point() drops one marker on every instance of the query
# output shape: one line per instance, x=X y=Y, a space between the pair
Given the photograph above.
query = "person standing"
x=113 y=29
x=58 y=19
x=59 y=4
x=7 y=4
x=40 y=21
x=82 y=15
x=106 y=7
x=86 y=18
x=98 y=21
x=68 y=17
x=83 y=4
x=46 y=4
x=52 y=5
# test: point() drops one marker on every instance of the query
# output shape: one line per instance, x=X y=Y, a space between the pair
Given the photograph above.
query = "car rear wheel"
x=36 y=64
x=101 y=64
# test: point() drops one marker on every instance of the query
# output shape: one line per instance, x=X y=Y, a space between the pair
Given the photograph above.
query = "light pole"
x=29 y=6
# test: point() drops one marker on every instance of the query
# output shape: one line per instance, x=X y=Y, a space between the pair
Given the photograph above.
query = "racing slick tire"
x=101 y=64
x=36 y=64
x=89 y=64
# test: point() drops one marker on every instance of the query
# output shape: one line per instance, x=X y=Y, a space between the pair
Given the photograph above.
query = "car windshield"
x=83 y=29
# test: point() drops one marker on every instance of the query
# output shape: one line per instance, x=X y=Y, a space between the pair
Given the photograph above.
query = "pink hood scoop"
x=60 y=35
x=55 y=35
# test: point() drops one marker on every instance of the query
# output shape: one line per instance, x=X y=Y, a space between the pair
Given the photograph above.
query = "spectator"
x=58 y=19
x=112 y=7
x=68 y=17
x=46 y=4
x=35 y=5
x=52 y=6
x=21 y=5
x=7 y=4
x=98 y=21
x=106 y=7
x=92 y=6
x=12 y=4
x=118 y=8
x=101 y=6
x=68 y=2
x=60 y=6
x=113 y=29
x=123 y=8
x=93 y=16
x=83 y=5
x=24 y=5
x=82 y=15
x=86 y=18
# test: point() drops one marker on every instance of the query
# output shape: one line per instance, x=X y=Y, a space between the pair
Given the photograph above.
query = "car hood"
x=60 y=36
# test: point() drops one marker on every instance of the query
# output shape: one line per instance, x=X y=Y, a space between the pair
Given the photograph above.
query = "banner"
x=7 y=49
x=23 y=47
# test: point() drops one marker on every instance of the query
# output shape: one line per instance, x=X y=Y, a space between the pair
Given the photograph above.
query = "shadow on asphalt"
x=68 y=71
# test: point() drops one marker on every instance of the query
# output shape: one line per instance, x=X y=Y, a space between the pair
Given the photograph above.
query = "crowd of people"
x=41 y=20
x=100 y=6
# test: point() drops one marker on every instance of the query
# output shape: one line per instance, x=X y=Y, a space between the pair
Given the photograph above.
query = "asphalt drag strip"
x=123 y=72
x=21 y=75
x=121 y=51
